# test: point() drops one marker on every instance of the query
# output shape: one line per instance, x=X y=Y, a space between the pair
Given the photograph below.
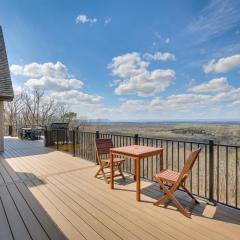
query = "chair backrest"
x=103 y=147
x=189 y=164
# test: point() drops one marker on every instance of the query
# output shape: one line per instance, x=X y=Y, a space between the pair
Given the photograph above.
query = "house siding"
x=1 y=126
x=6 y=89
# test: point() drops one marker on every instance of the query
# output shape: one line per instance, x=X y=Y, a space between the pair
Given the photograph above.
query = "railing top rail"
x=188 y=141
x=155 y=138
x=226 y=145
x=176 y=140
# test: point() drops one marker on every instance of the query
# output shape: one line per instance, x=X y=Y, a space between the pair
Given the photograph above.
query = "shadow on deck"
x=152 y=191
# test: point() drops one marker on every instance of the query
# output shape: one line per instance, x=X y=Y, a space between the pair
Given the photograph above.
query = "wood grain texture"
x=46 y=194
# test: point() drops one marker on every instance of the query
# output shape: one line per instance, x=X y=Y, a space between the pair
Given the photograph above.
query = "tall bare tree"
x=33 y=108
x=40 y=109
x=33 y=102
x=13 y=111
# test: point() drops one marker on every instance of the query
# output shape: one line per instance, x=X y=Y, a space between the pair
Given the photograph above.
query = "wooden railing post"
x=136 y=139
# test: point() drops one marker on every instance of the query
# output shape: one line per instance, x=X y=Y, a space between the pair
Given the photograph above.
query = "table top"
x=136 y=150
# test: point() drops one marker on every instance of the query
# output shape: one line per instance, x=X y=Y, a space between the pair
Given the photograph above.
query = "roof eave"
x=6 y=98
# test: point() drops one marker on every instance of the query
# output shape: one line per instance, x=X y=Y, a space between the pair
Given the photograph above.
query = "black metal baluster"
x=119 y=141
x=172 y=155
x=129 y=143
x=157 y=157
x=143 y=160
x=205 y=171
x=84 y=144
x=211 y=171
x=226 y=174
x=191 y=171
x=152 y=162
x=198 y=173
x=217 y=172
x=236 y=193
x=178 y=156
x=57 y=139
x=166 y=153
x=147 y=159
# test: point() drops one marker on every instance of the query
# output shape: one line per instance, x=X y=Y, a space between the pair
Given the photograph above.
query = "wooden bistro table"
x=136 y=152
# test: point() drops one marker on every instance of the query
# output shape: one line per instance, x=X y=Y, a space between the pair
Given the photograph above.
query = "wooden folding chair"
x=102 y=150
x=177 y=180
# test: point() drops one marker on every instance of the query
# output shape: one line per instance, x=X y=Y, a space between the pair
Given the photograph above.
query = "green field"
x=225 y=133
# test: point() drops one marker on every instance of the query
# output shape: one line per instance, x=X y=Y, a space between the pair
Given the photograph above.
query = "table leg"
x=161 y=163
x=111 y=171
x=134 y=176
x=138 y=179
x=161 y=160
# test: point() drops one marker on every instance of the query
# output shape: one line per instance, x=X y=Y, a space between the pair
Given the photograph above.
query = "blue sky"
x=128 y=60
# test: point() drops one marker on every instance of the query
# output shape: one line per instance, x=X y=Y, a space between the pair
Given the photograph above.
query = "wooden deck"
x=46 y=194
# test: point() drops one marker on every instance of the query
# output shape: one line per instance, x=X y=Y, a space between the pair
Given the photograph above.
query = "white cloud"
x=205 y=105
x=76 y=97
x=227 y=97
x=177 y=106
x=223 y=65
x=54 y=84
x=39 y=70
x=133 y=105
x=235 y=103
x=17 y=89
x=107 y=20
x=136 y=78
x=50 y=76
x=159 y=40
x=215 y=19
x=167 y=40
x=128 y=107
x=128 y=65
x=146 y=83
x=212 y=86
x=82 y=19
x=186 y=106
x=57 y=82
x=194 y=102
x=159 y=56
x=179 y=102
x=16 y=69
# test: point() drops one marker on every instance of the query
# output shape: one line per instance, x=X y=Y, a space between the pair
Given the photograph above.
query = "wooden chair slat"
x=103 y=145
x=103 y=149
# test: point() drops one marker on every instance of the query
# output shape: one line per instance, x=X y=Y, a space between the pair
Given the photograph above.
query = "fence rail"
x=215 y=176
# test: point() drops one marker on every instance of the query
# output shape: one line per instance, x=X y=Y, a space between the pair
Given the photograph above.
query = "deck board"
x=34 y=228
x=47 y=194
x=48 y=225
x=15 y=220
x=5 y=231
x=165 y=219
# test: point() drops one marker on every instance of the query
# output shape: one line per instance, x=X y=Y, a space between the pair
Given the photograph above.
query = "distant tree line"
x=34 y=109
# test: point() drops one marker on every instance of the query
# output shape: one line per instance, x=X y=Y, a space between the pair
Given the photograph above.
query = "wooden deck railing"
x=215 y=176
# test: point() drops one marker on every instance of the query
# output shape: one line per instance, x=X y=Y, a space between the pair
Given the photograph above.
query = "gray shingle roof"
x=6 y=89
